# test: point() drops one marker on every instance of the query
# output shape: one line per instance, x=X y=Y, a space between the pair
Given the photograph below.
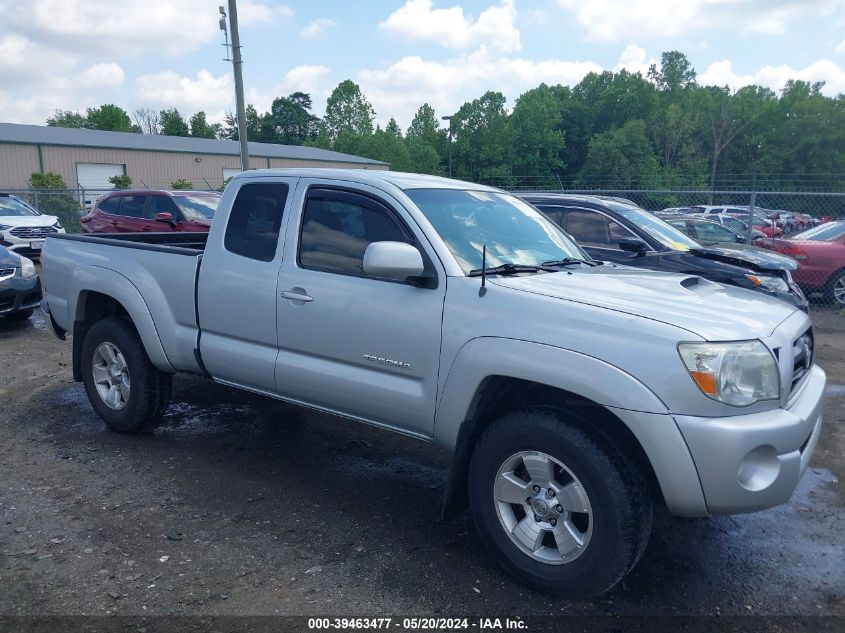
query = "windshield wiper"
x=572 y=260
x=512 y=269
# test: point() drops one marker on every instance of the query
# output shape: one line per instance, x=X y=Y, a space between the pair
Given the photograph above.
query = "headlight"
x=774 y=284
x=27 y=268
x=738 y=374
x=58 y=225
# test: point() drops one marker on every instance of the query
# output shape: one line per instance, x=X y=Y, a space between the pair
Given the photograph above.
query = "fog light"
x=759 y=469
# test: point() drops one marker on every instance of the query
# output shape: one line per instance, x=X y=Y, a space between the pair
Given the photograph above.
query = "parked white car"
x=23 y=228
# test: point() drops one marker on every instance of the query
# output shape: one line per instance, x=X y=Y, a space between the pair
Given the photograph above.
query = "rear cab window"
x=255 y=220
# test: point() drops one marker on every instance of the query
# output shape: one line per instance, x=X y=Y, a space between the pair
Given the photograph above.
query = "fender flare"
x=118 y=287
x=619 y=392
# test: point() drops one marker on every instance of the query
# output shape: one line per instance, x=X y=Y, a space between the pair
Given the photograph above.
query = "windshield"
x=667 y=235
x=12 y=207
x=197 y=207
x=823 y=232
x=513 y=231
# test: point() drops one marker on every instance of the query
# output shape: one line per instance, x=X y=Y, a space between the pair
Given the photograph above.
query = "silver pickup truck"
x=572 y=395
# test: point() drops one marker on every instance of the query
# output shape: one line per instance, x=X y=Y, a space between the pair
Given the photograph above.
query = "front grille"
x=33 y=232
x=802 y=358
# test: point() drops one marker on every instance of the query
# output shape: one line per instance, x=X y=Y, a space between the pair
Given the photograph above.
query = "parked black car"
x=20 y=288
x=626 y=234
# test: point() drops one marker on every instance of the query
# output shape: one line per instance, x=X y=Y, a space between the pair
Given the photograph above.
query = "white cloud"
x=171 y=89
x=419 y=20
x=635 y=60
x=402 y=87
x=126 y=27
x=24 y=61
x=102 y=75
x=317 y=27
x=615 y=20
x=721 y=73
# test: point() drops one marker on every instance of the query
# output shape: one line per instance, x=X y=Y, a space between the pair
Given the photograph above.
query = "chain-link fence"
x=808 y=227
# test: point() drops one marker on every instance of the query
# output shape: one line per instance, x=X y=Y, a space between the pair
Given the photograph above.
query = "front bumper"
x=18 y=294
x=751 y=462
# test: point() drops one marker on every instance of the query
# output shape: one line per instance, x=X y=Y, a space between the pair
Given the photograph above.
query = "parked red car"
x=134 y=211
x=820 y=251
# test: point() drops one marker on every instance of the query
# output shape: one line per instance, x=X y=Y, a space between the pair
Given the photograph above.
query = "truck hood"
x=710 y=310
x=747 y=256
x=28 y=220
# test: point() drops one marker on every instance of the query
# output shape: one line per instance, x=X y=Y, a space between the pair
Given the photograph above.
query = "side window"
x=163 y=204
x=133 y=206
x=594 y=229
x=337 y=227
x=711 y=231
x=255 y=220
x=110 y=205
x=556 y=214
x=683 y=226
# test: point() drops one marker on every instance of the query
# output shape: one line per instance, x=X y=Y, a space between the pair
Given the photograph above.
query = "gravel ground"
x=242 y=505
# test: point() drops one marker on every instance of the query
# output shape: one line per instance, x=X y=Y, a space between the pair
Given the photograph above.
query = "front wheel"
x=124 y=387
x=563 y=509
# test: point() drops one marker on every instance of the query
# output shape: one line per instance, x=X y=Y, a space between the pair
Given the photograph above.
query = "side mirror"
x=633 y=245
x=396 y=261
x=166 y=218
x=741 y=239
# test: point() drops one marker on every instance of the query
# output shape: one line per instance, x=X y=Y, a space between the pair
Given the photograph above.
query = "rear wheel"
x=125 y=389
x=563 y=509
x=836 y=290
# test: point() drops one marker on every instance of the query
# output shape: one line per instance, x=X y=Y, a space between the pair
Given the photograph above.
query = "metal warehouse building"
x=86 y=159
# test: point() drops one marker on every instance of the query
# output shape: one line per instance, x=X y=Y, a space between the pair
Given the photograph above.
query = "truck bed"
x=175 y=242
x=154 y=274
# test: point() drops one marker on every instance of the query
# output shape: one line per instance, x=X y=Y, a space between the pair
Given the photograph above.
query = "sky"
x=73 y=54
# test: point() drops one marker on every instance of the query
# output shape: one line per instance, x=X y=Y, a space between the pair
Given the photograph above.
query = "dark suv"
x=134 y=211
x=624 y=233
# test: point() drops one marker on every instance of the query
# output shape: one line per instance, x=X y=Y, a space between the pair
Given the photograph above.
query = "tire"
x=124 y=387
x=23 y=315
x=613 y=534
x=835 y=290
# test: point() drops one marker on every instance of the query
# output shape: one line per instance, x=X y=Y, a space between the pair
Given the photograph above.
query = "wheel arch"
x=103 y=293
x=491 y=377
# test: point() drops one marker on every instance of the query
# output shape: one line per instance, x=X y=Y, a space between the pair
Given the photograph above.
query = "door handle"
x=293 y=295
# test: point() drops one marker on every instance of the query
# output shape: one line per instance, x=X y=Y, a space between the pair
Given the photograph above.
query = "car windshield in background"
x=823 y=232
x=197 y=207
x=12 y=207
x=513 y=231
x=659 y=230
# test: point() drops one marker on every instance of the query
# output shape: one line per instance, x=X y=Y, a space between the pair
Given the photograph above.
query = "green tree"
x=50 y=196
x=200 y=128
x=426 y=142
x=173 y=123
x=348 y=115
x=67 y=118
x=622 y=156
x=482 y=132
x=109 y=117
x=389 y=146
x=291 y=119
x=121 y=181
x=538 y=141
x=676 y=72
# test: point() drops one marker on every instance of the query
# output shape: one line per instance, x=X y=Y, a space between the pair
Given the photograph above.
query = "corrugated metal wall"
x=154 y=169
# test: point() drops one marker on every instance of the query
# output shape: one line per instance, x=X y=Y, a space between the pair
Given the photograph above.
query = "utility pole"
x=449 y=119
x=237 y=64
